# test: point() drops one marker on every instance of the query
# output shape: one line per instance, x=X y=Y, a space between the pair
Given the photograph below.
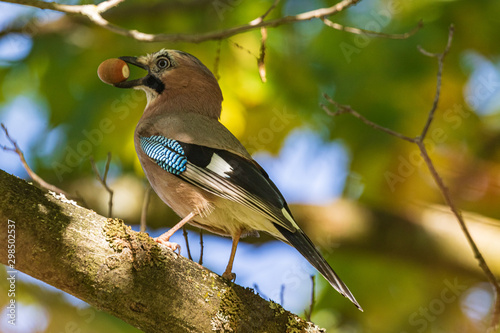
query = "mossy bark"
x=125 y=273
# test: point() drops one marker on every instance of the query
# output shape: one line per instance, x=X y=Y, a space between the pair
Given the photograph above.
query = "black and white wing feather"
x=222 y=173
x=241 y=180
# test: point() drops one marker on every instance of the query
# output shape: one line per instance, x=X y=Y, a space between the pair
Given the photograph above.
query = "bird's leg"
x=164 y=238
x=227 y=273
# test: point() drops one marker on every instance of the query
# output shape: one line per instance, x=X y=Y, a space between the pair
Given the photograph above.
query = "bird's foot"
x=171 y=245
x=229 y=276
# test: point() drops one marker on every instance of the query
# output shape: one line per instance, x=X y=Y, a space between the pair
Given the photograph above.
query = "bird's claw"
x=171 y=245
x=229 y=276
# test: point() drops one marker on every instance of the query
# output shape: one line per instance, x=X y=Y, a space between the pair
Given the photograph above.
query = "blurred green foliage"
x=387 y=80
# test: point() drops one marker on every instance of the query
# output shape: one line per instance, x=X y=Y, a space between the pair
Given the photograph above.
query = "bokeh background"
x=365 y=198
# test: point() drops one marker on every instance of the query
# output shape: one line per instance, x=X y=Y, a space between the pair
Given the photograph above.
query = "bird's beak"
x=136 y=82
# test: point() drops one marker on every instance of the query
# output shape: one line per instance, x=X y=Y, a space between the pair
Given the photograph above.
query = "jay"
x=199 y=169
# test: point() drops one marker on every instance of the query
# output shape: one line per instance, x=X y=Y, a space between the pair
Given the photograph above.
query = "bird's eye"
x=163 y=63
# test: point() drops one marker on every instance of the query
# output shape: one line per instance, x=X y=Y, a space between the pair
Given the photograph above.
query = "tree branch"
x=262 y=55
x=341 y=109
x=144 y=210
x=309 y=312
x=123 y=272
x=263 y=16
x=370 y=33
x=93 y=13
x=419 y=141
x=36 y=178
x=440 y=57
x=103 y=182
x=200 y=261
x=186 y=239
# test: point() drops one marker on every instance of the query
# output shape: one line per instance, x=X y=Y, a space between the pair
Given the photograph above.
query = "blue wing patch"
x=167 y=153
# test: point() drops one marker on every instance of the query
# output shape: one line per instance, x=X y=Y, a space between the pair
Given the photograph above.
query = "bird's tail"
x=305 y=246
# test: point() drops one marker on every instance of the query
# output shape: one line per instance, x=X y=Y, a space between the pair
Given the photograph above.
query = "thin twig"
x=241 y=47
x=217 y=60
x=282 y=295
x=185 y=234
x=200 y=261
x=440 y=58
x=495 y=320
x=93 y=13
x=70 y=9
x=260 y=60
x=341 y=109
x=458 y=214
x=102 y=180
x=107 y=5
x=261 y=18
x=36 y=178
x=371 y=33
x=144 y=210
x=419 y=141
x=259 y=292
x=309 y=312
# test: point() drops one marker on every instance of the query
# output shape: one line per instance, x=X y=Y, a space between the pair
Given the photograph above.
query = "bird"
x=198 y=167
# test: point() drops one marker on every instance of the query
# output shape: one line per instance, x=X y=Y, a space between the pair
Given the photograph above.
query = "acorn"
x=112 y=71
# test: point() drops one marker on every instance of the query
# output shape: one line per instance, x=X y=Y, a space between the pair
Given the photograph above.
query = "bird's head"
x=176 y=81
